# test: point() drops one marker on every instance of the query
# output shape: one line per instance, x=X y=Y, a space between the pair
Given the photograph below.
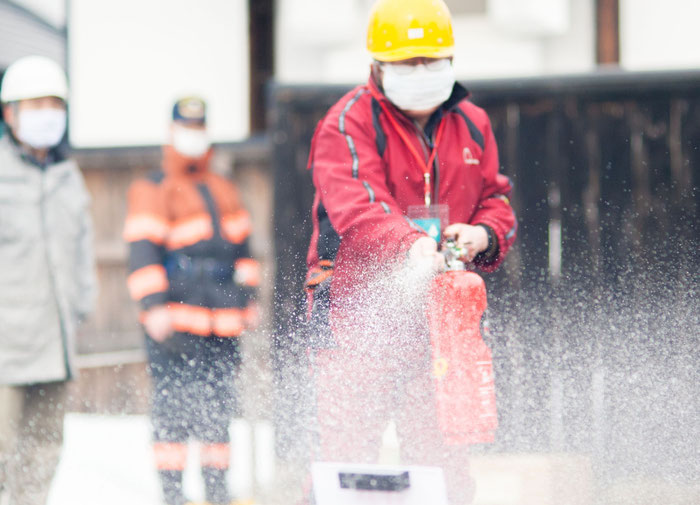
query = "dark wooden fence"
x=596 y=313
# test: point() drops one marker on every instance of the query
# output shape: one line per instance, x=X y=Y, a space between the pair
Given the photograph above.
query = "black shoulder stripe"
x=156 y=176
x=473 y=130
x=381 y=136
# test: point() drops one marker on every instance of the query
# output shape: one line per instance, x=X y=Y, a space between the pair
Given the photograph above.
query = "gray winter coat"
x=47 y=273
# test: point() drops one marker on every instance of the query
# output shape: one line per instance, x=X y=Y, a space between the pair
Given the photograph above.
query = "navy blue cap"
x=190 y=109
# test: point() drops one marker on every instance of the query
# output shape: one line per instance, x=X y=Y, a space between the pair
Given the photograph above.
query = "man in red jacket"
x=399 y=164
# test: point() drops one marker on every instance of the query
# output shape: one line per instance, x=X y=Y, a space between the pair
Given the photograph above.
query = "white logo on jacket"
x=468 y=157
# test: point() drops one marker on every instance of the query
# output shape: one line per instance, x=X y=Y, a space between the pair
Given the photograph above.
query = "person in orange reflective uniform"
x=191 y=270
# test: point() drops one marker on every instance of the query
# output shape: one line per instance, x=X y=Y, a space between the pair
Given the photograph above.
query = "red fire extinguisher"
x=462 y=364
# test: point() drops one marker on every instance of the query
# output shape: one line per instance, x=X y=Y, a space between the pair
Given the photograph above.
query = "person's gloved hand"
x=158 y=323
x=424 y=253
x=473 y=239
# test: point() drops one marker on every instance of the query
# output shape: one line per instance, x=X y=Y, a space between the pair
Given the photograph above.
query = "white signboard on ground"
x=348 y=484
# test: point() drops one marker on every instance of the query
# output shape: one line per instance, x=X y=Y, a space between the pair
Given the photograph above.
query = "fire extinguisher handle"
x=452 y=253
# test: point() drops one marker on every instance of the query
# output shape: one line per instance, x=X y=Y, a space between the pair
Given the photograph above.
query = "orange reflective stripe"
x=190 y=231
x=190 y=319
x=215 y=455
x=146 y=281
x=247 y=272
x=145 y=227
x=228 y=322
x=251 y=314
x=170 y=455
x=203 y=321
x=318 y=276
x=236 y=227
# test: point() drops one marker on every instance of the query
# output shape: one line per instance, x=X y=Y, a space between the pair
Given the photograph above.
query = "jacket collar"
x=177 y=164
x=56 y=154
x=459 y=93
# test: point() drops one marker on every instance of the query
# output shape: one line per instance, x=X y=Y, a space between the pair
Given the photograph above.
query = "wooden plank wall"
x=596 y=334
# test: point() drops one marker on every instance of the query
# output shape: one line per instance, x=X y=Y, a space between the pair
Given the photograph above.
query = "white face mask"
x=417 y=89
x=41 y=128
x=189 y=142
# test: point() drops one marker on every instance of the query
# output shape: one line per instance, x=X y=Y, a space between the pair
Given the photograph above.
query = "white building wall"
x=203 y=48
x=574 y=50
x=483 y=50
x=317 y=40
x=324 y=42
x=130 y=60
x=659 y=35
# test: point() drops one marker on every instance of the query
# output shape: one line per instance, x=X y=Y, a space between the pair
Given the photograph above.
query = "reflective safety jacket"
x=367 y=176
x=188 y=240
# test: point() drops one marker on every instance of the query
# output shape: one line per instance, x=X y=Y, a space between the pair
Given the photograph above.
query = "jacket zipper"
x=426 y=144
x=52 y=280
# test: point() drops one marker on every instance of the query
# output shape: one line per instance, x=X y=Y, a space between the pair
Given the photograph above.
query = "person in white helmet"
x=47 y=280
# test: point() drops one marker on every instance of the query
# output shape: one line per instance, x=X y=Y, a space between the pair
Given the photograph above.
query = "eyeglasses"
x=431 y=64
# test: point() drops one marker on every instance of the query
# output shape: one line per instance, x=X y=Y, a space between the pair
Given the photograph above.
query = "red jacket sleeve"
x=494 y=208
x=350 y=177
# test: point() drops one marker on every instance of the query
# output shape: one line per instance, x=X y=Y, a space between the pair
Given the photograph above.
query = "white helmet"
x=33 y=77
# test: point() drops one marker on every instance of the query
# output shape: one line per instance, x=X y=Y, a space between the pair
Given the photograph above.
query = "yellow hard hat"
x=403 y=29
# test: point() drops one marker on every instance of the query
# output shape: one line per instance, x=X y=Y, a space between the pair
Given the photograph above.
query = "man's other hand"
x=472 y=239
x=158 y=323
